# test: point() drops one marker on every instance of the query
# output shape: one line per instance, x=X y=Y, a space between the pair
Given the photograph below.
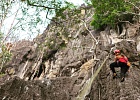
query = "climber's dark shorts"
x=122 y=65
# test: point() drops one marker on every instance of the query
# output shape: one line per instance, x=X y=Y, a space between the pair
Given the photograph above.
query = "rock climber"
x=122 y=62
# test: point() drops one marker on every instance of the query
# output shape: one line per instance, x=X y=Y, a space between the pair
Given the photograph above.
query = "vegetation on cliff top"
x=112 y=12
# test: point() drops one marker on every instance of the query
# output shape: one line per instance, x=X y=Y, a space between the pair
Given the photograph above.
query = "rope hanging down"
x=87 y=87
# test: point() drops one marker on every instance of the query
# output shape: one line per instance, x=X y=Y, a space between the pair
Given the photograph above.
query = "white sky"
x=25 y=35
x=76 y=2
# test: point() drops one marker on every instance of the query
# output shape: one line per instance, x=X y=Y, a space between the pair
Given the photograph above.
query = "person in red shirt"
x=122 y=62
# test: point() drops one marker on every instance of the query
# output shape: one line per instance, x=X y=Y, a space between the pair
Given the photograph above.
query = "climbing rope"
x=86 y=89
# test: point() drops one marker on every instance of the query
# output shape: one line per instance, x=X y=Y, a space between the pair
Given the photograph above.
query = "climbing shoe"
x=122 y=79
x=114 y=75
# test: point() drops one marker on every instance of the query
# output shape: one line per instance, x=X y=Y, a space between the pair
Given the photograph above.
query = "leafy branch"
x=108 y=13
x=133 y=5
x=35 y=5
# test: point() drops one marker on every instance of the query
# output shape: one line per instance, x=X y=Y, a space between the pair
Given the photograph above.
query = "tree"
x=112 y=12
x=28 y=16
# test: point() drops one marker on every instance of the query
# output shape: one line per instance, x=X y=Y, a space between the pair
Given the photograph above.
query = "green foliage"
x=63 y=45
x=29 y=16
x=87 y=2
x=111 y=12
x=1 y=36
x=2 y=74
x=5 y=56
x=67 y=6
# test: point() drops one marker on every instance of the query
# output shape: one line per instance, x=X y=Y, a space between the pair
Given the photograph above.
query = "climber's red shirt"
x=121 y=58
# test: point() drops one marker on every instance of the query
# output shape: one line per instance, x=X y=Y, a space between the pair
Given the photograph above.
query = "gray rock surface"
x=57 y=64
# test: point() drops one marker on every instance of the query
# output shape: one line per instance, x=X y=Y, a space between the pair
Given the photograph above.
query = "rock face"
x=59 y=63
x=18 y=89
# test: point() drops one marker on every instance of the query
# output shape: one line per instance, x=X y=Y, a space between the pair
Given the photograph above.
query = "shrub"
x=111 y=12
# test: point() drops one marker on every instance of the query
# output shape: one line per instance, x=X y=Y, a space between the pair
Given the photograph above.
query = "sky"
x=76 y=2
x=25 y=35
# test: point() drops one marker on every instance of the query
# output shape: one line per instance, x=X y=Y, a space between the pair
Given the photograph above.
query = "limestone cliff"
x=60 y=63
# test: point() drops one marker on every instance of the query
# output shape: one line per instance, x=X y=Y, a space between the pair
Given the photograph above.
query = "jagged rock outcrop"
x=60 y=62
